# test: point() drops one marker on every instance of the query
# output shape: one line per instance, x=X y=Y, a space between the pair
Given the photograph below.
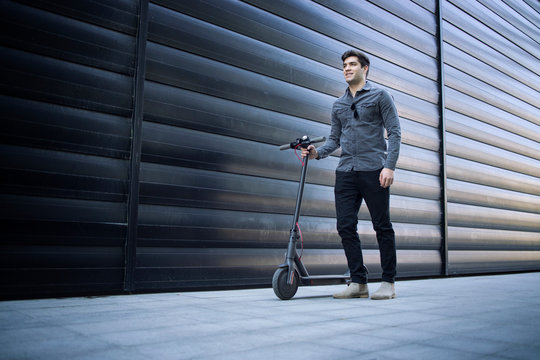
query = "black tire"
x=283 y=290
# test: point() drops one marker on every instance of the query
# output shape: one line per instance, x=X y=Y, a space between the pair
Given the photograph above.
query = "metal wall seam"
x=442 y=131
x=136 y=146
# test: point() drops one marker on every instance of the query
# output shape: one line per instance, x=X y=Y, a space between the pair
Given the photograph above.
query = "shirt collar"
x=367 y=87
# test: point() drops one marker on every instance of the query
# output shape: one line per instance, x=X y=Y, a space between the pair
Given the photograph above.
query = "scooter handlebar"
x=304 y=141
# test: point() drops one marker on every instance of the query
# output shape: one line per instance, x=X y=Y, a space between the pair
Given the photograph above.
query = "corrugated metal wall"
x=66 y=95
x=209 y=203
x=492 y=52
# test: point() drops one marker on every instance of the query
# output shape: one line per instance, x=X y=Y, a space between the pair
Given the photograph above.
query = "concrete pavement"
x=481 y=317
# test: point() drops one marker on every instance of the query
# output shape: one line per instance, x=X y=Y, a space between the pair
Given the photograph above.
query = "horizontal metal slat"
x=482 y=217
x=205 y=227
x=487 y=113
x=477 y=130
x=275 y=41
x=53 y=35
x=414 y=14
x=61 y=257
x=474 y=262
x=59 y=162
x=513 y=17
x=256 y=266
x=464 y=238
x=118 y=15
x=468 y=64
x=486 y=93
x=476 y=48
x=385 y=23
x=481 y=195
x=186 y=148
x=55 y=209
x=336 y=26
x=481 y=153
x=42 y=125
x=28 y=232
x=195 y=73
x=40 y=78
x=406 y=183
x=489 y=25
x=486 y=35
x=470 y=171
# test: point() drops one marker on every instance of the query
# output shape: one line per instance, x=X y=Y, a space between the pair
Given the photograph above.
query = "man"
x=365 y=171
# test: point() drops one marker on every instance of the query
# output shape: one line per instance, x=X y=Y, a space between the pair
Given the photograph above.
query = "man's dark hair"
x=364 y=60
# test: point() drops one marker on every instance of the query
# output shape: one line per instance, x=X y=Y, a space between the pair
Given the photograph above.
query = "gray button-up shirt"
x=363 y=146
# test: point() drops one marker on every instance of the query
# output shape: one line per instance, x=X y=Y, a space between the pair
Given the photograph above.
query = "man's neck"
x=354 y=88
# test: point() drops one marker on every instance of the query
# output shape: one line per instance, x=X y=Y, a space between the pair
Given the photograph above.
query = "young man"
x=365 y=171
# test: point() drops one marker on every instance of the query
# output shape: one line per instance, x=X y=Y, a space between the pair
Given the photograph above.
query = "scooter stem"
x=291 y=249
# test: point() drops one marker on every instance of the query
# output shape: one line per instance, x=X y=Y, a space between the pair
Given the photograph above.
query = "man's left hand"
x=386 y=178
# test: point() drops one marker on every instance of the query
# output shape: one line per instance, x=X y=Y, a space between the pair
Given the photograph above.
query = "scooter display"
x=293 y=272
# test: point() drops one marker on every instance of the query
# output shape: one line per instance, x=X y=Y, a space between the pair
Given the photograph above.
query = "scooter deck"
x=325 y=280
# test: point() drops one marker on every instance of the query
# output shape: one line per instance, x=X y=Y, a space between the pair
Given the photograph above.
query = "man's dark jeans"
x=351 y=188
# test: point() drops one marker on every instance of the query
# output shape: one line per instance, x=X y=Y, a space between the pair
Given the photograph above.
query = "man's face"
x=352 y=70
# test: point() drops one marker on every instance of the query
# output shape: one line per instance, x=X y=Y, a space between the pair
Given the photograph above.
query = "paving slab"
x=473 y=317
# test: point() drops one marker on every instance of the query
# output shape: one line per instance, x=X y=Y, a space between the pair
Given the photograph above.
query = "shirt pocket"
x=368 y=113
x=344 y=116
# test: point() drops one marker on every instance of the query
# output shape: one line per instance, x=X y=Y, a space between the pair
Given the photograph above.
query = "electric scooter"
x=293 y=272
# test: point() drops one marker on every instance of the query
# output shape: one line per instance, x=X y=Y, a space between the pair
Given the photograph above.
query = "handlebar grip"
x=304 y=141
x=285 y=147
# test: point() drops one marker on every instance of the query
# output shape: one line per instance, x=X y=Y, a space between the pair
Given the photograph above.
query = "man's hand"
x=386 y=178
x=311 y=151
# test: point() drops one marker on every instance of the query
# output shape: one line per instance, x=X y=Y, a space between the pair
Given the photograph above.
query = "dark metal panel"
x=191 y=35
x=480 y=110
x=529 y=9
x=155 y=176
x=271 y=45
x=478 y=69
x=429 y=5
x=460 y=146
x=66 y=136
x=51 y=80
x=205 y=151
x=120 y=15
x=476 y=48
x=42 y=125
x=466 y=238
x=16 y=207
x=50 y=173
x=419 y=135
x=511 y=51
x=130 y=251
x=475 y=194
x=45 y=33
x=36 y=232
x=474 y=262
x=206 y=227
x=241 y=267
x=417 y=15
x=195 y=73
x=480 y=131
x=386 y=23
x=494 y=18
x=350 y=32
x=490 y=218
x=479 y=90
x=470 y=171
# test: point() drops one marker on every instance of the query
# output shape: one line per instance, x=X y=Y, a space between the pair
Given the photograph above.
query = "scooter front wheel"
x=283 y=290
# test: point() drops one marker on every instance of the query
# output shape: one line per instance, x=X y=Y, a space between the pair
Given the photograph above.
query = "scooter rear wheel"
x=283 y=290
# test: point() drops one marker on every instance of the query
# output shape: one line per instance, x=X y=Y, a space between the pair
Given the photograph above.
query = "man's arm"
x=393 y=129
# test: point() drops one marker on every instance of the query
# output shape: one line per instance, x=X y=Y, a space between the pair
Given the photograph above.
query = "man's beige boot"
x=385 y=291
x=354 y=290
